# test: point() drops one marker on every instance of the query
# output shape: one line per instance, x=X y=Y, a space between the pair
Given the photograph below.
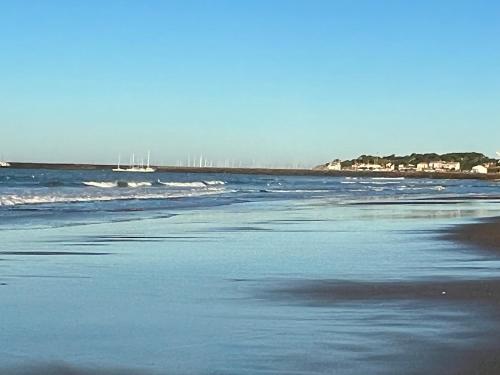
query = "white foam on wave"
x=388 y=178
x=197 y=184
x=214 y=182
x=380 y=182
x=15 y=199
x=107 y=185
x=101 y=184
x=138 y=184
x=404 y=187
x=297 y=191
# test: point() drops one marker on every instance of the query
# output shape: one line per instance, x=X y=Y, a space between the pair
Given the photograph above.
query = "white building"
x=444 y=166
x=479 y=169
x=452 y=166
x=4 y=164
x=406 y=167
x=438 y=166
x=334 y=165
x=422 y=166
x=367 y=167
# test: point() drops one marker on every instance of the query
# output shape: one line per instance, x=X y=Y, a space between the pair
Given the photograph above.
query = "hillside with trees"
x=467 y=159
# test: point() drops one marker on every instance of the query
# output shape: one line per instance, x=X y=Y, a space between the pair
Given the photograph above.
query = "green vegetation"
x=467 y=159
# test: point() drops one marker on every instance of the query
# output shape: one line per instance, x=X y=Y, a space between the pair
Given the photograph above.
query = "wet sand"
x=420 y=356
x=58 y=368
x=484 y=234
x=332 y=291
x=477 y=296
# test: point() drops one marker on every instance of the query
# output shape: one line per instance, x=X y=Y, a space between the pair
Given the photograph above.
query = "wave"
x=101 y=184
x=388 y=178
x=107 y=185
x=138 y=184
x=184 y=184
x=16 y=200
x=214 y=182
x=438 y=188
x=379 y=182
x=297 y=191
x=195 y=184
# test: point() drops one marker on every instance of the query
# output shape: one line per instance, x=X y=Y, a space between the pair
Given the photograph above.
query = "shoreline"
x=267 y=171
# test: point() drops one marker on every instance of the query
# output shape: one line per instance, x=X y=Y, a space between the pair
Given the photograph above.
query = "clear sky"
x=271 y=82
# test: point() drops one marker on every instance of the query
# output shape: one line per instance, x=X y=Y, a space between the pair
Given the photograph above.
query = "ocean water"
x=166 y=273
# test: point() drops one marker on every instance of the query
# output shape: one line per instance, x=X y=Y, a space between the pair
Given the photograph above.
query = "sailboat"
x=133 y=167
x=118 y=168
x=3 y=163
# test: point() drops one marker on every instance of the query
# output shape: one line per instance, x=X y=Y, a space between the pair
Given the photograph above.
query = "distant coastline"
x=269 y=171
x=465 y=162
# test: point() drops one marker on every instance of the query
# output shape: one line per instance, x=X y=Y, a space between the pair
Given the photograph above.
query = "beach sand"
x=485 y=234
x=419 y=356
x=481 y=295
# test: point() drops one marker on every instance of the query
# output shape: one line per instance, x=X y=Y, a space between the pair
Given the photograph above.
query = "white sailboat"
x=134 y=168
x=118 y=168
x=3 y=163
x=148 y=167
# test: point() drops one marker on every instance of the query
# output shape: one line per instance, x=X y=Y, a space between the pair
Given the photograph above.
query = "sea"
x=107 y=272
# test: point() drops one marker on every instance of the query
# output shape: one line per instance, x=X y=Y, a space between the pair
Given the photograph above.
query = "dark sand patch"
x=428 y=200
x=474 y=350
x=46 y=277
x=485 y=234
x=241 y=229
x=463 y=198
x=333 y=291
x=480 y=352
x=50 y=253
x=65 y=369
x=108 y=239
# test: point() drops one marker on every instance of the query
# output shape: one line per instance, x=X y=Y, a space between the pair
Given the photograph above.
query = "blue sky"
x=266 y=82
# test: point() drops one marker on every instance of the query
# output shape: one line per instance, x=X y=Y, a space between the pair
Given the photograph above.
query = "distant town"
x=466 y=162
x=452 y=165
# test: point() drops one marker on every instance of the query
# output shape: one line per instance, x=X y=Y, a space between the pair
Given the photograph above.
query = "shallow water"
x=167 y=279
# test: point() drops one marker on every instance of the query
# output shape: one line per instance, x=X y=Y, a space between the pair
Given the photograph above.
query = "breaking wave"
x=138 y=184
x=437 y=188
x=388 y=178
x=214 y=182
x=15 y=199
x=107 y=185
x=194 y=184
x=101 y=184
